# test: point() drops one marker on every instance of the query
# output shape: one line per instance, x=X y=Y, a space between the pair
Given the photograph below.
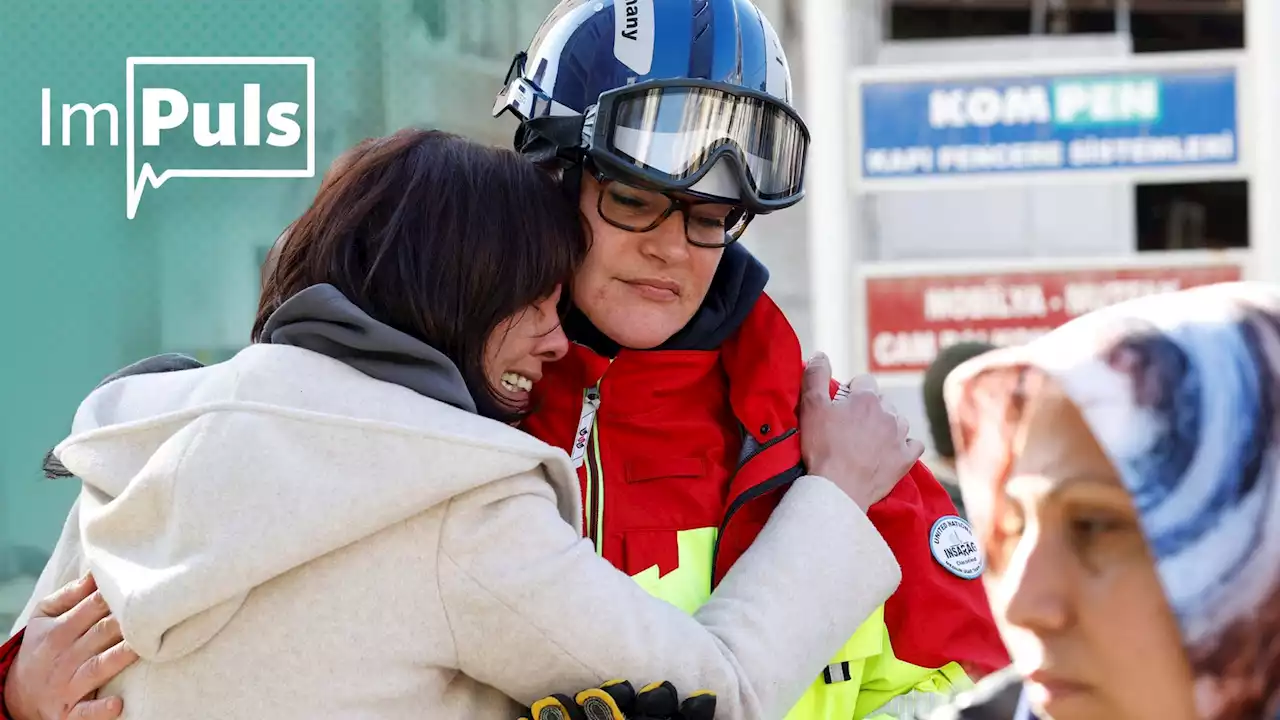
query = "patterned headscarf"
x=1182 y=391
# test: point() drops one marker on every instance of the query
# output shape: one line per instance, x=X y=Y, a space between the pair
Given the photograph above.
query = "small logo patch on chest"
x=955 y=547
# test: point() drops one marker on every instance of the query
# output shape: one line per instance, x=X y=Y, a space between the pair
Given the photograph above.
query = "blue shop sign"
x=1049 y=123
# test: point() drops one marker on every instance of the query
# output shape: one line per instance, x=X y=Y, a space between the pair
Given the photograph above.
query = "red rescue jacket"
x=709 y=438
x=8 y=653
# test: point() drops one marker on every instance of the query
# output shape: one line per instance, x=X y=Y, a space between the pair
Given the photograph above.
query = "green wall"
x=83 y=291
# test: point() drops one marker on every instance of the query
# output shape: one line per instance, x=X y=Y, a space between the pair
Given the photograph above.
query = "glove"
x=618 y=700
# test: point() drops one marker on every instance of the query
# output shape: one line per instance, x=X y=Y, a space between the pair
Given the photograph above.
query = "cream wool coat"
x=282 y=536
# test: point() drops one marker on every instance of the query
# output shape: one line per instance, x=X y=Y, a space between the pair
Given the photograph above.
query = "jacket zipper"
x=752 y=493
x=590 y=423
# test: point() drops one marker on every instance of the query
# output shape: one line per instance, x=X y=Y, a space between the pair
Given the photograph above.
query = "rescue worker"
x=671 y=123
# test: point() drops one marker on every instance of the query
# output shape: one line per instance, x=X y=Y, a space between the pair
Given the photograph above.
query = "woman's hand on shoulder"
x=857 y=440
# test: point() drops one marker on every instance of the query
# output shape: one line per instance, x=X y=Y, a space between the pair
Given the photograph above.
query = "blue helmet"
x=683 y=95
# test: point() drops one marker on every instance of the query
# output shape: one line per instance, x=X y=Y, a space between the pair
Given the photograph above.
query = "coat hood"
x=200 y=484
x=323 y=320
x=1182 y=392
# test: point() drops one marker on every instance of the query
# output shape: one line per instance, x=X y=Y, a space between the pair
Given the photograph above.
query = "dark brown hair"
x=436 y=236
x=336 y=168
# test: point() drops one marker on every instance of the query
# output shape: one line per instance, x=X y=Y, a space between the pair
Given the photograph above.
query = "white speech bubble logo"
x=167 y=109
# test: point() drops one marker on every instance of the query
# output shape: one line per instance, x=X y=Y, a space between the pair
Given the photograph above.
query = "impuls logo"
x=166 y=111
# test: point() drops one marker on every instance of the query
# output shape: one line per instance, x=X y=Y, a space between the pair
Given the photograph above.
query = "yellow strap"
x=595 y=440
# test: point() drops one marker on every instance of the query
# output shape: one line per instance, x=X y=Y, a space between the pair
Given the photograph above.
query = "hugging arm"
x=533 y=608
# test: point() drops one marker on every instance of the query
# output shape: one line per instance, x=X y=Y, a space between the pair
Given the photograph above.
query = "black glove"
x=618 y=700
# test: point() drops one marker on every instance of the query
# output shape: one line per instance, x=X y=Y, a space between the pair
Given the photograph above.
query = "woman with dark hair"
x=340 y=522
x=1124 y=475
x=336 y=168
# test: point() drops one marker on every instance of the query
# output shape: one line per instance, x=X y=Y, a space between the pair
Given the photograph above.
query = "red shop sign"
x=909 y=318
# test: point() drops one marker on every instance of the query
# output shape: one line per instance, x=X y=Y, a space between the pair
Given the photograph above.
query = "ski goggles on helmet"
x=670 y=133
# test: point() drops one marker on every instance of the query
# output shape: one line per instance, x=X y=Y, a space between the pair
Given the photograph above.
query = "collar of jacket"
x=762 y=371
x=757 y=347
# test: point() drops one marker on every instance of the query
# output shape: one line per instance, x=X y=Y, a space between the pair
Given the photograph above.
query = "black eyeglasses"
x=707 y=223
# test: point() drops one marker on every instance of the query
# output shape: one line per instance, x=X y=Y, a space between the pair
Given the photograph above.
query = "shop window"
x=1153 y=25
x=1192 y=216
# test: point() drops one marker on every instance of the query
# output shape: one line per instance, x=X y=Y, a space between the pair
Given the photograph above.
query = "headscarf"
x=1182 y=392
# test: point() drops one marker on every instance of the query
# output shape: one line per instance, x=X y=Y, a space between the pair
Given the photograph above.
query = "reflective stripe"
x=929 y=689
x=876 y=679
x=915 y=705
x=837 y=673
x=599 y=476
x=829 y=701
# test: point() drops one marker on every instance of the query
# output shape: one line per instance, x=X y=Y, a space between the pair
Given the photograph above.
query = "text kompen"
x=165 y=109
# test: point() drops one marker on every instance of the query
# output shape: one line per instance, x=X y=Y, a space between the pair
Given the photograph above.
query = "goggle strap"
x=552 y=137
x=517 y=66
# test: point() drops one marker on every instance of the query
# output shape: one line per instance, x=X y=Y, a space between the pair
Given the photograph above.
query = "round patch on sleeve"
x=955 y=548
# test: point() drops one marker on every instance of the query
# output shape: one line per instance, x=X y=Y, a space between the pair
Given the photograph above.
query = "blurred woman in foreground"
x=1123 y=474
